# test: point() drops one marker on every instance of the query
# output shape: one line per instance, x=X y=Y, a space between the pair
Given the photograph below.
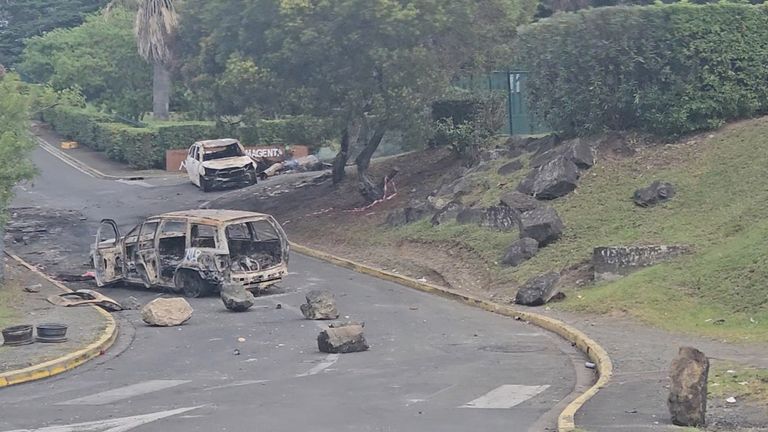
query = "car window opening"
x=172 y=245
x=253 y=246
x=232 y=150
x=203 y=236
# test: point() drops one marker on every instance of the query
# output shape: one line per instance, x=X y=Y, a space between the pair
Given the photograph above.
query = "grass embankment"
x=721 y=210
x=741 y=382
x=8 y=294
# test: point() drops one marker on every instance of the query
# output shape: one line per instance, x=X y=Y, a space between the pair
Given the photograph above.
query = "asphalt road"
x=434 y=364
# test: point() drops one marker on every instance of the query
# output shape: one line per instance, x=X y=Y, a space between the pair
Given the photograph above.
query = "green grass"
x=7 y=298
x=721 y=210
x=743 y=383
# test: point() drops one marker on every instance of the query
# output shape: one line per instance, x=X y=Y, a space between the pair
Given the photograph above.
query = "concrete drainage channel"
x=596 y=353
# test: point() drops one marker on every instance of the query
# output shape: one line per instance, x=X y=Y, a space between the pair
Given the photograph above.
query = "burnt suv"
x=193 y=252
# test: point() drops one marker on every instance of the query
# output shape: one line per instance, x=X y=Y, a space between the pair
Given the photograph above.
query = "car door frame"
x=192 y=164
x=108 y=256
x=147 y=254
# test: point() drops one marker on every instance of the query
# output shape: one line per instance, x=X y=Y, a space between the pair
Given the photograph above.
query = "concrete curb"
x=596 y=353
x=68 y=361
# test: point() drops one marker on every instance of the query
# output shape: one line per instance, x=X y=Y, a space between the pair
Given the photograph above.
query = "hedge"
x=664 y=69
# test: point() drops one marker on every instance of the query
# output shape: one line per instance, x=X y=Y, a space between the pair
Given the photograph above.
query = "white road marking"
x=135 y=182
x=329 y=361
x=47 y=147
x=126 y=392
x=123 y=424
x=505 y=396
x=237 y=384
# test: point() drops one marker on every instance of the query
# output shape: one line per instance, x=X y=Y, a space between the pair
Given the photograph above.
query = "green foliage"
x=29 y=18
x=303 y=130
x=466 y=126
x=15 y=141
x=668 y=69
x=99 y=58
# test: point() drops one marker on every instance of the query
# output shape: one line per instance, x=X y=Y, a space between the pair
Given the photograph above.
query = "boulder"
x=500 y=218
x=541 y=145
x=687 y=400
x=342 y=339
x=236 y=298
x=166 y=312
x=576 y=150
x=656 y=193
x=405 y=216
x=613 y=262
x=510 y=168
x=538 y=291
x=520 y=201
x=551 y=180
x=520 y=251
x=321 y=305
x=542 y=224
x=448 y=213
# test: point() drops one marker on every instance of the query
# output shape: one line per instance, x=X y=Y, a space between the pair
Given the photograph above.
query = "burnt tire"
x=205 y=185
x=190 y=284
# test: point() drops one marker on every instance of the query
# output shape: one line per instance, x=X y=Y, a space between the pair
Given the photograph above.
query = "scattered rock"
x=590 y=365
x=131 y=303
x=656 y=193
x=166 y=312
x=405 y=216
x=542 y=224
x=342 y=340
x=731 y=400
x=560 y=296
x=552 y=180
x=33 y=288
x=541 y=145
x=539 y=290
x=500 y=218
x=279 y=306
x=236 y=298
x=520 y=251
x=613 y=262
x=510 y=168
x=576 y=150
x=687 y=400
x=321 y=305
x=520 y=201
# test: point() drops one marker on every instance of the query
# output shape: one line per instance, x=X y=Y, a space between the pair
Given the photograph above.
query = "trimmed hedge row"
x=664 y=69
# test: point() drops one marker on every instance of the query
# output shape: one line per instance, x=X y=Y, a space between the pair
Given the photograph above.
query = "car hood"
x=235 y=162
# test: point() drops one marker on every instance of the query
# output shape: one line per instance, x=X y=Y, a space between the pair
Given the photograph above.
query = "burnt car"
x=193 y=252
x=222 y=162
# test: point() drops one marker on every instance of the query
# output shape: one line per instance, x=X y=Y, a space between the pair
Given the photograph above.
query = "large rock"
x=448 y=213
x=166 y=312
x=500 y=218
x=405 y=216
x=342 y=340
x=321 y=305
x=613 y=262
x=538 y=291
x=687 y=400
x=520 y=201
x=236 y=298
x=520 y=251
x=656 y=193
x=576 y=150
x=510 y=168
x=551 y=180
x=541 y=224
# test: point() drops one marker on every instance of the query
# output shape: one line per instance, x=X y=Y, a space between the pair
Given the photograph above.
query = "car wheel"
x=205 y=185
x=190 y=284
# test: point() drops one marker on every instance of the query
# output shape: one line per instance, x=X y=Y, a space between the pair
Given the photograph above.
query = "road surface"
x=434 y=364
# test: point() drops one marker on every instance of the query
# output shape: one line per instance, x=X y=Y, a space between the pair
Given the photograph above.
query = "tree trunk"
x=340 y=162
x=161 y=91
x=370 y=191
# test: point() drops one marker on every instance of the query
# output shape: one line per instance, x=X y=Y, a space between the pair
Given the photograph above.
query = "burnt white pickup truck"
x=193 y=252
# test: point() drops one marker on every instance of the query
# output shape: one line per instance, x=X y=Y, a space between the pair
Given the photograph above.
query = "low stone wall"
x=613 y=262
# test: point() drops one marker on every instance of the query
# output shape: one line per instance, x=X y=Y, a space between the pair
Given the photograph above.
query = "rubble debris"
x=236 y=298
x=131 y=303
x=85 y=297
x=613 y=262
x=320 y=305
x=687 y=400
x=576 y=150
x=555 y=179
x=342 y=340
x=166 y=312
x=539 y=290
x=542 y=224
x=510 y=168
x=448 y=213
x=657 y=192
x=520 y=251
x=520 y=201
x=33 y=288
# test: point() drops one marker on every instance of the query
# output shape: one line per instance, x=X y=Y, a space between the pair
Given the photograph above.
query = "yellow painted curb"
x=68 y=361
x=596 y=353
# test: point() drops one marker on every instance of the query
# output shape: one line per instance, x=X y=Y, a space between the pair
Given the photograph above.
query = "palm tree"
x=155 y=26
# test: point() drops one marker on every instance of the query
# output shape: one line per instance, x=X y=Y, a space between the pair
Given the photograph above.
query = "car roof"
x=217 y=142
x=205 y=215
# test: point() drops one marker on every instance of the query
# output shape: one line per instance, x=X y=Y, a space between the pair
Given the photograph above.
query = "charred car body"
x=193 y=252
x=220 y=162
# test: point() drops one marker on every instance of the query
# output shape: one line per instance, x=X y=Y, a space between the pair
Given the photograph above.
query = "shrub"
x=664 y=69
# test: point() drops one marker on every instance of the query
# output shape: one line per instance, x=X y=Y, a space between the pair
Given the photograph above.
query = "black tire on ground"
x=189 y=283
x=205 y=185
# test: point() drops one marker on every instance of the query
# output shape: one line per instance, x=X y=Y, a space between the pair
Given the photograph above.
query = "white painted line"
x=505 y=396
x=135 y=183
x=48 y=148
x=123 y=424
x=329 y=361
x=237 y=384
x=126 y=392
